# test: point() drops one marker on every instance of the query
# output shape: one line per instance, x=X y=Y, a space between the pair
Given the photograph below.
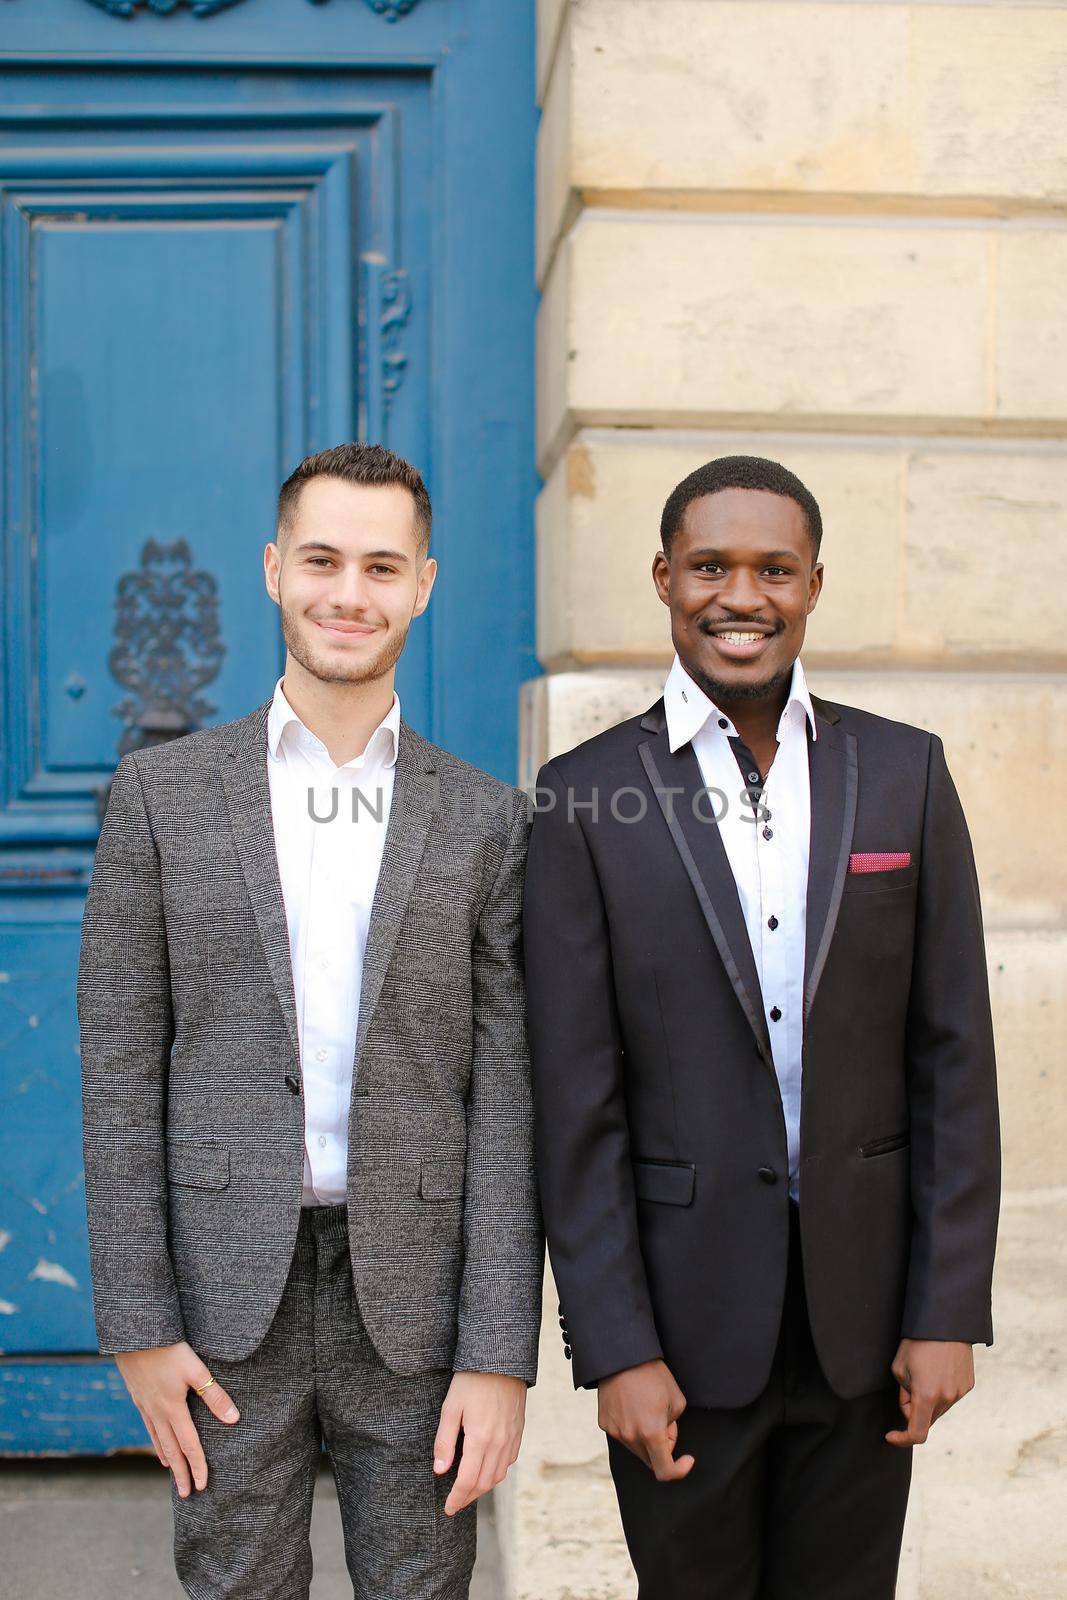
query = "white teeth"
x=740 y=638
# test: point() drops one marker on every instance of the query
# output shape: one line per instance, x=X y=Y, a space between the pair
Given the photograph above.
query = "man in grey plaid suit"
x=309 y=1172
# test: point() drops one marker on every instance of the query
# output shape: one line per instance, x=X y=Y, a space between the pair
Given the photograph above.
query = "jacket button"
x=768 y=1174
x=291 y=1083
x=562 y=1322
x=567 y=1352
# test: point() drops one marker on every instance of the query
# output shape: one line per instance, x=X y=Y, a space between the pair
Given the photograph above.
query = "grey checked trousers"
x=317 y=1376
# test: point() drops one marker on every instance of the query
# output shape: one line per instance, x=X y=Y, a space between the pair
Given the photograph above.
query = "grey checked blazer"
x=193 y=1111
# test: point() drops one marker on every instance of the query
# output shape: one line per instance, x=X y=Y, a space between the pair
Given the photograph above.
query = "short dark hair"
x=357 y=463
x=739 y=472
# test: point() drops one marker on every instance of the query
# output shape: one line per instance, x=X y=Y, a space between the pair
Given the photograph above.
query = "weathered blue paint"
x=65 y=1408
x=229 y=235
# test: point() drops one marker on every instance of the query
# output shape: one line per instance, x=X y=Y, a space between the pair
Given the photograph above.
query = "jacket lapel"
x=415 y=799
x=703 y=855
x=244 y=777
x=834 y=775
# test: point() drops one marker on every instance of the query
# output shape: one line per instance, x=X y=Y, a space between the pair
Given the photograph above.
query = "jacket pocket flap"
x=883 y=1147
x=200 y=1166
x=671 y=1183
x=441 y=1180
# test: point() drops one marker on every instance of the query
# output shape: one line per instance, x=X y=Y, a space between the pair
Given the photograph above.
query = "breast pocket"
x=197 y=1166
x=666 y=1183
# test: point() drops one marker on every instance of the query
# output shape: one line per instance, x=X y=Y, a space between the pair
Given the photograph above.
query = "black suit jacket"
x=660 y=1132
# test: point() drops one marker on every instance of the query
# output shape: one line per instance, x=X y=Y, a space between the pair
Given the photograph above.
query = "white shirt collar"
x=688 y=708
x=386 y=735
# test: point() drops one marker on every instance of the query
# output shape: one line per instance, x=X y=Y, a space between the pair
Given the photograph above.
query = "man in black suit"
x=764 y=1080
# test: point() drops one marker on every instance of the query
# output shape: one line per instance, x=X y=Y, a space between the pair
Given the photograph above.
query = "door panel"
x=230 y=235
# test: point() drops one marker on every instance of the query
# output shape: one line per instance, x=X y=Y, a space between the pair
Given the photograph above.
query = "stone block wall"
x=832 y=233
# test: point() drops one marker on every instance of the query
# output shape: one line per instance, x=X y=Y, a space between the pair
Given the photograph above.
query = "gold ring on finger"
x=203 y=1388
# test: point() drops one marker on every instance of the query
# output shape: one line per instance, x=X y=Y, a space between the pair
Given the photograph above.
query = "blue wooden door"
x=231 y=233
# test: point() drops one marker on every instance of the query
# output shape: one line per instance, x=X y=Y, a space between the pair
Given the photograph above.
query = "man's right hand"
x=159 y=1382
x=640 y=1408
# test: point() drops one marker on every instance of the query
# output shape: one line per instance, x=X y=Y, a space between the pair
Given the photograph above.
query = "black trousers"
x=794 y=1497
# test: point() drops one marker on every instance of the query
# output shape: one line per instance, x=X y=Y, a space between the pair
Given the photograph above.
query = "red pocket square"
x=879 y=860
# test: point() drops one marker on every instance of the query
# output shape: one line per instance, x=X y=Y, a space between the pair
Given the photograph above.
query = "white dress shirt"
x=328 y=865
x=769 y=859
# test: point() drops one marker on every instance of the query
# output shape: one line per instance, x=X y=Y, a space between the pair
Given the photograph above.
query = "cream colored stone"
x=1031 y=329
x=828 y=107
x=989 y=1483
x=932 y=552
x=987 y=88
x=1005 y=737
x=554 y=357
x=883 y=102
x=689 y=321
x=1028 y=988
x=555 y=198
x=550 y=20
x=982 y=527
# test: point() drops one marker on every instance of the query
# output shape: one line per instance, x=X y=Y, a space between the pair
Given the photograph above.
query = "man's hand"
x=491 y=1410
x=159 y=1382
x=640 y=1408
x=933 y=1374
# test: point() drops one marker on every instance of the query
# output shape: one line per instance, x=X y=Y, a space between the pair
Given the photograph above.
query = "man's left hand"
x=933 y=1374
x=491 y=1410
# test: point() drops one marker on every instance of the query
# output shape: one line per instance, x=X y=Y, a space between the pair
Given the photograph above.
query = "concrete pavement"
x=101 y=1530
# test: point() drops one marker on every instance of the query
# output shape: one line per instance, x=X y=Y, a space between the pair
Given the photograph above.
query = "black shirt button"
x=776 y=1015
x=291 y=1083
x=768 y=1174
x=772 y=923
x=723 y=722
x=768 y=833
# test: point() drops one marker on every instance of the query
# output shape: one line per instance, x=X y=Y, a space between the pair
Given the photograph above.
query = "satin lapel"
x=415 y=798
x=834 y=772
x=244 y=777
x=703 y=855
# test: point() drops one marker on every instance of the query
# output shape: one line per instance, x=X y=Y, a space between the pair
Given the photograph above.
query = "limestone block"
x=1031 y=324
x=690 y=102
x=919 y=540
x=554 y=137
x=1005 y=737
x=550 y=17
x=987 y=91
x=989 y=1482
x=696 y=321
x=1028 y=989
x=970 y=517
x=689 y=96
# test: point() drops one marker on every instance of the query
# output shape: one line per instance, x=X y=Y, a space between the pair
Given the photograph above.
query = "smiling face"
x=349 y=577
x=740 y=581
